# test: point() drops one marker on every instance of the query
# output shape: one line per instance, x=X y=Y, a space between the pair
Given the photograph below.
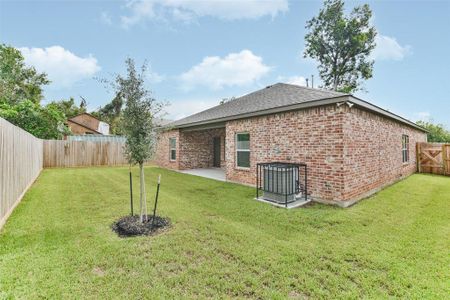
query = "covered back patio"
x=212 y=173
x=202 y=148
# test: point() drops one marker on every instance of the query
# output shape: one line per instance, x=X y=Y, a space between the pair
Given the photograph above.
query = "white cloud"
x=186 y=10
x=183 y=108
x=140 y=10
x=62 y=66
x=297 y=80
x=235 y=69
x=154 y=77
x=423 y=116
x=387 y=48
x=106 y=18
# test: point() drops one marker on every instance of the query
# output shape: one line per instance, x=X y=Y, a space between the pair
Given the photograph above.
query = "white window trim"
x=405 y=149
x=241 y=150
x=171 y=149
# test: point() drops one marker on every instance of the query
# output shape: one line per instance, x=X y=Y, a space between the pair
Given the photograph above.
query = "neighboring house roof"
x=99 y=126
x=85 y=113
x=276 y=98
x=82 y=125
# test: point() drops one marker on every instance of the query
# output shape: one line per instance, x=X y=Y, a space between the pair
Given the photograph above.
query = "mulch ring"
x=131 y=226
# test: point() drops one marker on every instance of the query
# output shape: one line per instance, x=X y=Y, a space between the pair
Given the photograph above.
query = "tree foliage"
x=17 y=81
x=225 y=100
x=139 y=113
x=69 y=107
x=21 y=94
x=437 y=133
x=112 y=113
x=342 y=45
x=43 y=122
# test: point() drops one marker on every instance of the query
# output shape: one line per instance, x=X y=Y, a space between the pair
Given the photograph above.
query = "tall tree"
x=111 y=113
x=225 y=100
x=69 y=107
x=45 y=122
x=21 y=94
x=114 y=108
x=437 y=133
x=138 y=121
x=17 y=81
x=342 y=45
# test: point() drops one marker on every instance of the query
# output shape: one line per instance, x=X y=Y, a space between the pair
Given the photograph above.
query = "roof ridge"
x=221 y=104
x=275 y=95
x=85 y=126
x=84 y=113
x=313 y=89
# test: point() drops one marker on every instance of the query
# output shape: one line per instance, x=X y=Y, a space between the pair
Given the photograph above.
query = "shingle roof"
x=277 y=95
x=277 y=98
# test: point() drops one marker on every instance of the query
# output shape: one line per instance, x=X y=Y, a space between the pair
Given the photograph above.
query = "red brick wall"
x=162 y=157
x=373 y=152
x=194 y=148
x=313 y=136
x=197 y=148
x=349 y=152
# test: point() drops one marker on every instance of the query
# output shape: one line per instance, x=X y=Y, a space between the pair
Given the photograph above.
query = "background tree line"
x=340 y=42
x=21 y=95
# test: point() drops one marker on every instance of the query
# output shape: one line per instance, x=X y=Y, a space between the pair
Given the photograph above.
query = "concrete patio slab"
x=294 y=204
x=212 y=173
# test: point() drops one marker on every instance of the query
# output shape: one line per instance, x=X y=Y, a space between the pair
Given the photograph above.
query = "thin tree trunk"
x=142 y=198
x=145 y=202
x=335 y=82
x=335 y=76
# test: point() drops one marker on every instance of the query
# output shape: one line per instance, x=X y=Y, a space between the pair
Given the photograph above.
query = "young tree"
x=342 y=45
x=138 y=122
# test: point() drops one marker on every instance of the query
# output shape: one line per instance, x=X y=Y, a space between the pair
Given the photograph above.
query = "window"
x=243 y=150
x=173 y=148
x=405 y=148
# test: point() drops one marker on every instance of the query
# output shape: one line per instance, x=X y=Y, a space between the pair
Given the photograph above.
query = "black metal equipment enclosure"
x=281 y=182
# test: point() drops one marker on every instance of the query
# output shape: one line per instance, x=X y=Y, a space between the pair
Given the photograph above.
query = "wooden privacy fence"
x=22 y=157
x=59 y=153
x=433 y=158
x=20 y=164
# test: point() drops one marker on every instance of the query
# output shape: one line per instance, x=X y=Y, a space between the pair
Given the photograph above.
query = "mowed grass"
x=223 y=244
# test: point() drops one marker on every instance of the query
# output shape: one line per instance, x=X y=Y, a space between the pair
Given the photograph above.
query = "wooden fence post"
x=418 y=157
x=445 y=159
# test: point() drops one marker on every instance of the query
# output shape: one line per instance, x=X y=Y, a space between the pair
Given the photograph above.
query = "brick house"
x=352 y=148
x=86 y=123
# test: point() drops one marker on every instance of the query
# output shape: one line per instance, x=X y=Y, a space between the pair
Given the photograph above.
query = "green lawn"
x=58 y=242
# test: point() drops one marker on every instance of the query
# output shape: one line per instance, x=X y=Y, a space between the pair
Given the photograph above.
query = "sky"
x=200 y=52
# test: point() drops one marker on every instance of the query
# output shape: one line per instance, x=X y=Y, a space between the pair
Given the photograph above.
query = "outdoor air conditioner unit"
x=280 y=182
